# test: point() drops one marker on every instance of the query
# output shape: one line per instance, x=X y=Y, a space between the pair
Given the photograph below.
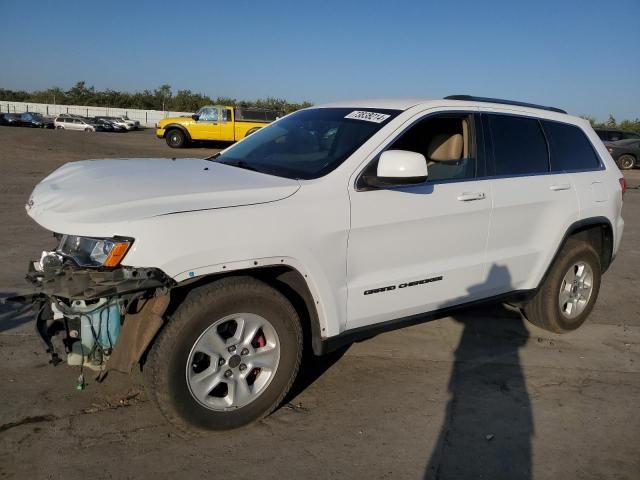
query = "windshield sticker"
x=368 y=116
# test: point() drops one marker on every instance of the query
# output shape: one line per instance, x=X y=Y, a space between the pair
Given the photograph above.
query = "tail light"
x=623 y=185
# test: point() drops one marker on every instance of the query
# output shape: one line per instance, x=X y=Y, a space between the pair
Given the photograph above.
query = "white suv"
x=330 y=225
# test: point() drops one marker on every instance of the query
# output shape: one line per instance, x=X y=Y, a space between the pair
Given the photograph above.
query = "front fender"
x=168 y=127
x=324 y=328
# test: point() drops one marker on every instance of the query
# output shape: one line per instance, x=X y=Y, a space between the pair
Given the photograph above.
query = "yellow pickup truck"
x=215 y=122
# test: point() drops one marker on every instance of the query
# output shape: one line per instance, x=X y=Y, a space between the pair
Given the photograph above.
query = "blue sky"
x=580 y=55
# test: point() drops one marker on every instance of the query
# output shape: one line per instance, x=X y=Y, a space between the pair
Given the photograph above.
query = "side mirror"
x=401 y=167
x=195 y=116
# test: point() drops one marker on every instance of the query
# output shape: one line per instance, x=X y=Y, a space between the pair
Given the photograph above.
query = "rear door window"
x=570 y=148
x=519 y=146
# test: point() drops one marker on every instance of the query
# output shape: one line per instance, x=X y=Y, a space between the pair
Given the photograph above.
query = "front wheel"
x=176 y=138
x=567 y=296
x=626 y=162
x=227 y=357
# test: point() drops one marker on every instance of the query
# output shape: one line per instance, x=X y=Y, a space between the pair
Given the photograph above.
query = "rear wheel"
x=176 y=138
x=569 y=292
x=626 y=162
x=227 y=357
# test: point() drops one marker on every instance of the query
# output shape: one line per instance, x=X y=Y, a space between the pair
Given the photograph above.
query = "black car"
x=117 y=126
x=613 y=134
x=34 y=120
x=625 y=152
x=104 y=124
x=11 y=119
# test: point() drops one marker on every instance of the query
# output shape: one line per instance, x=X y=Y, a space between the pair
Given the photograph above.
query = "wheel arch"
x=596 y=231
x=285 y=278
x=176 y=126
x=252 y=130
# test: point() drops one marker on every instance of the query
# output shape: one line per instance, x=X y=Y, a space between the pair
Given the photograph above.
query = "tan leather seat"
x=445 y=148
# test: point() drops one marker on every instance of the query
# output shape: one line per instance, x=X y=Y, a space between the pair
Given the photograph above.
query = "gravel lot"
x=479 y=395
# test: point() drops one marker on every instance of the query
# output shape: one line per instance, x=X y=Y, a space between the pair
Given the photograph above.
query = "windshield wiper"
x=241 y=164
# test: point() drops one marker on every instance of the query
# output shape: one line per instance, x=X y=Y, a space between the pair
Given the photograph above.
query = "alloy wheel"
x=575 y=290
x=233 y=361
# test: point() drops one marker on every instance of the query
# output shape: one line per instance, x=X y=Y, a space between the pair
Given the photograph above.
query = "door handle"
x=469 y=197
x=558 y=187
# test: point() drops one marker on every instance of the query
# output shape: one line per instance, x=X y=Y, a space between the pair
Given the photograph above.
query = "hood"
x=180 y=120
x=87 y=196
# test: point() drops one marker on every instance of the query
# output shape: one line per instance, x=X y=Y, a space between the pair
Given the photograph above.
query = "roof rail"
x=471 y=98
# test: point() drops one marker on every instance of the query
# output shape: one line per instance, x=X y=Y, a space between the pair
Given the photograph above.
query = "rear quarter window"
x=569 y=147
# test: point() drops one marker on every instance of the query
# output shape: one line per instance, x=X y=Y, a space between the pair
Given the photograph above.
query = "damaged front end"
x=96 y=316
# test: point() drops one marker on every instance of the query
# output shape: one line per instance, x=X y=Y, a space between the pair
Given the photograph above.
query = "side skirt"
x=348 y=337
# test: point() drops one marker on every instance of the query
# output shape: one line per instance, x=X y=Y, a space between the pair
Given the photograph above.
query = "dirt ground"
x=482 y=395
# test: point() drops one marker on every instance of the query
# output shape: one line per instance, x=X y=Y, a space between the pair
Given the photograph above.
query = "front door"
x=415 y=249
x=207 y=127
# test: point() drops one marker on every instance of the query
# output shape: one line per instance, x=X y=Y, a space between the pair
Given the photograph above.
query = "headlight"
x=94 y=252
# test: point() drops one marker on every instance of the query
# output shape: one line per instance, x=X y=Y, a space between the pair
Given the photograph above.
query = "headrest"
x=445 y=147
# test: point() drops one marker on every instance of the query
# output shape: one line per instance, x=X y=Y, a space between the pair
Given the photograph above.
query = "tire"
x=253 y=130
x=626 y=162
x=59 y=127
x=174 y=356
x=176 y=138
x=544 y=309
x=88 y=130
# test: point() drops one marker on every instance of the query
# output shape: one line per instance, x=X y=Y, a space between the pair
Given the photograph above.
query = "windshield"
x=309 y=143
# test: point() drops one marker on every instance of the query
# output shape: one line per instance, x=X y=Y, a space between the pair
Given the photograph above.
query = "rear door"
x=532 y=207
x=227 y=130
x=574 y=159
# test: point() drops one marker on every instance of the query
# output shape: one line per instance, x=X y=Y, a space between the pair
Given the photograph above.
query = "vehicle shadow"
x=214 y=144
x=488 y=424
x=13 y=314
x=312 y=368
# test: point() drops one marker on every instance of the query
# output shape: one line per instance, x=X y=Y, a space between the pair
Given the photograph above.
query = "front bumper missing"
x=77 y=283
x=146 y=291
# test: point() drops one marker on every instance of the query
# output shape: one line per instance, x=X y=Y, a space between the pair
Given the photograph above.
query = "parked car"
x=302 y=235
x=136 y=123
x=75 y=123
x=35 y=120
x=12 y=119
x=120 y=122
x=104 y=124
x=613 y=134
x=215 y=122
x=625 y=152
x=3 y=120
